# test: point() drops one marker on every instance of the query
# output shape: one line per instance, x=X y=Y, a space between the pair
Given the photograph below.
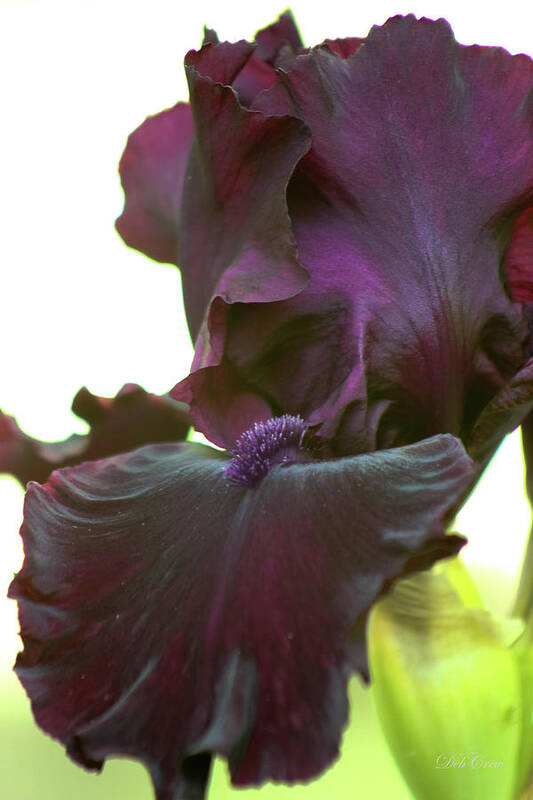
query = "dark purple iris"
x=353 y=225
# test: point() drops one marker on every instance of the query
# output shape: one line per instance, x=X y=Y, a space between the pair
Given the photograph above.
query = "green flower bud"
x=449 y=688
x=523 y=651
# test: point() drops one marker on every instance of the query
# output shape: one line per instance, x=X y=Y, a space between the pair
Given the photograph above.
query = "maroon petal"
x=21 y=456
x=401 y=211
x=519 y=258
x=280 y=38
x=343 y=47
x=255 y=76
x=235 y=228
x=129 y=420
x=167 y=615
x=505 y=412
x=152 y=170
x=237 y=405
x=152 y=167
x=235 y=239
x=280 y=34
x=222 y=62
x=210 y=36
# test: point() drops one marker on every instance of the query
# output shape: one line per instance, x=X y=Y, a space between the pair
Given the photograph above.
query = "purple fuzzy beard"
x=264 y=445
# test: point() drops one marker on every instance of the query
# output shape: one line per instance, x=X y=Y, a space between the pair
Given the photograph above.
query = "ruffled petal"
x=222 y=389
x=222 y=62
x=343 y=47
x=280 y=34
x=167 y=615
x=256 y=76
x=152 y=170
x=505 y=412
x=235 y=239
x=20 y=455
x=131 y=419
x=402 y=211
x=281 y=38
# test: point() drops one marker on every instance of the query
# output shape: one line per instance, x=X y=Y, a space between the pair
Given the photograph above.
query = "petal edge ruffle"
x=164 y=612
x=131 y=419
x=152 y=171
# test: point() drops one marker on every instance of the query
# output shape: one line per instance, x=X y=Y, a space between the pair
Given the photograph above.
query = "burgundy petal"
x=153 y=164
x=129 y=420
x=343 y=47
x=20 y=455
x=401 y=211
x=210 y=36
x=279 y=38
x=255 y=76
x=221 y=388
x=152 y=170
x=505 y=412
x=280 y=34
x=257 y=72
x=235 y=238
x=222 y=62
x=167 y=615
x=519 y=258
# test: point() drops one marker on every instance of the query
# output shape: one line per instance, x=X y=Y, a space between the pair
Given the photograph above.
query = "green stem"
x=523 y=605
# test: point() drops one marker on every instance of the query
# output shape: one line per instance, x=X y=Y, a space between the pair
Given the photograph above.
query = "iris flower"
x=353 y=227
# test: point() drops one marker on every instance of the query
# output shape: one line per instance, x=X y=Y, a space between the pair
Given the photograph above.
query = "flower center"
x=264 y=445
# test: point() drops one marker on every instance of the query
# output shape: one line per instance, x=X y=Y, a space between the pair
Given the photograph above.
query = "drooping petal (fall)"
x=167 y=614
x=131 y=419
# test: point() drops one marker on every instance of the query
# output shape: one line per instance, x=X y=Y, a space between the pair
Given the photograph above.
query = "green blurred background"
x=79 y=308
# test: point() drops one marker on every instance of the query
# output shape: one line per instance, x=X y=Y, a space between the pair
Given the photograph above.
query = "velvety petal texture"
x=118 y=424
x=343 y=47
x=276 y=44
x=152 y=170
x=280 y=34
x=167 y=614
x=221 y=391
x=403 y=210
x=502 y=415
x=236 y=241
x=519 y=258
